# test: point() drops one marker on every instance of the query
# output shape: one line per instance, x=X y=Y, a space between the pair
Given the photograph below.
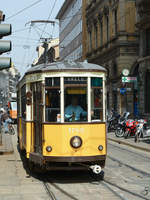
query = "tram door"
x=37 y=116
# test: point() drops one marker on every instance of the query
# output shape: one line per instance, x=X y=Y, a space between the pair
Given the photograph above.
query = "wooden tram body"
x=48 y=139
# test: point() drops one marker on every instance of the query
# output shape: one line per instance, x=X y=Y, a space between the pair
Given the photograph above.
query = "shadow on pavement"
x=147 y=141
x=60 y=176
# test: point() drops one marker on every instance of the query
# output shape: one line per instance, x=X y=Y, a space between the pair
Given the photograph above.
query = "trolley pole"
x=45 y=45
x=45 y=40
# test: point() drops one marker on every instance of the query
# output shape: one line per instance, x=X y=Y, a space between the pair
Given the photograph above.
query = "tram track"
x=48 y=184
x=118 y=192
x=133 y=168
x=122 y=148
x=49 y=192
x=109 y=184
x=129 y=166
x=113 y=187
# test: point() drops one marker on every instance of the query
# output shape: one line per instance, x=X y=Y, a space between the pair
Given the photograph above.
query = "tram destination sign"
x=128 y=79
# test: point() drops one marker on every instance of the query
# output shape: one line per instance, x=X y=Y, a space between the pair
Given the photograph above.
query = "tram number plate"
x=76 y=130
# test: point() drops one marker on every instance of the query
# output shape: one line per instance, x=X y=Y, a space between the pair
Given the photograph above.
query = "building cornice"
x=63 y=9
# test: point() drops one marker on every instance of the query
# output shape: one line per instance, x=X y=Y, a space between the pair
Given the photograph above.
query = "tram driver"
x=74 y=112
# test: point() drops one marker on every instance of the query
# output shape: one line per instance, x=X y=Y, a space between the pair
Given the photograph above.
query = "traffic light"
x=5 y=46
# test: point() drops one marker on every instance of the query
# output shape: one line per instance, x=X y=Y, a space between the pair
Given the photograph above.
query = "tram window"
x=96 y=99
x=18 y=104
x=52 y=104
x=23 y=101
x=75 y=99
x=51 y=82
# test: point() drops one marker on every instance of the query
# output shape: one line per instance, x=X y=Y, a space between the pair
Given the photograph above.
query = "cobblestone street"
x=126 y=177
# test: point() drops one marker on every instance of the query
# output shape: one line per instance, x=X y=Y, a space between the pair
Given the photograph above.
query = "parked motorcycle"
x=143 y=130
x=121 y=127
x=112 y=121
x=131 y=126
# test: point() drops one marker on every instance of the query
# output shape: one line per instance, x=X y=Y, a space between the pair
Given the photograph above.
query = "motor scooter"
x=131 y=126
x=121 y=126
x=112 y=121
x=142 y=130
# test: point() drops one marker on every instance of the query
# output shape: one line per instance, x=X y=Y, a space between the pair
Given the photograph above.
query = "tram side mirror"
x=29 y=98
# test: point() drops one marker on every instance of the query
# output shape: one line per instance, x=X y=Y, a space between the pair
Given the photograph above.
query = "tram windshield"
x=75 y=99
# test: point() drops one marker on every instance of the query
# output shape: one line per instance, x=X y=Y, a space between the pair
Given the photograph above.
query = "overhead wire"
x=24 y=29
x=20 y=37
x=49 y=16
x=22 y=10
x=26 y=53
x=32 y=55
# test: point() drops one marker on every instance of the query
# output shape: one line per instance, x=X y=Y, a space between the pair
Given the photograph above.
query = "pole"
x=45 y=50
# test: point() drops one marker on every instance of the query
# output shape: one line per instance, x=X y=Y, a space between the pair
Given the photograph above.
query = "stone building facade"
x=70 y=30
x=142 y=67
x=111 y=40
x=52 y=53
x=8 y=81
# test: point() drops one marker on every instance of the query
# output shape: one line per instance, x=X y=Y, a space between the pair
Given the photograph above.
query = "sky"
x=25 y=36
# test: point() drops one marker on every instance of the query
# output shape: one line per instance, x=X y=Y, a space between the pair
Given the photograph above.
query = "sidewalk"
x=143 y=145
x=6 y=146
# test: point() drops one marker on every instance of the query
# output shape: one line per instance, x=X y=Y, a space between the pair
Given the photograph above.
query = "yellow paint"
x=32 y=137
x=58 y=137
x=20 y=132
x=28 y=138
x=28 y=142
x=76 y=91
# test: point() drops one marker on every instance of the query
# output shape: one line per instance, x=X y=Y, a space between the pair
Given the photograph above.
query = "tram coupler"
x=96 y=169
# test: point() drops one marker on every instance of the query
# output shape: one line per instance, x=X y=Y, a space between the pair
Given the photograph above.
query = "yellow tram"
x=61 y=115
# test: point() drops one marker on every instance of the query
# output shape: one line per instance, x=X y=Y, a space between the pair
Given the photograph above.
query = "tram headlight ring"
x=49 y=148
x=100 y=148
x=76 y=142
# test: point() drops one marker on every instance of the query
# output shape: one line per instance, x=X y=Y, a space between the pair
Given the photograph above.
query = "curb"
x=6 y=152
x=129 y=144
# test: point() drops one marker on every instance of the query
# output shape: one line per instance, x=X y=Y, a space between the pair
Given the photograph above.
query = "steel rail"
x=49 y=192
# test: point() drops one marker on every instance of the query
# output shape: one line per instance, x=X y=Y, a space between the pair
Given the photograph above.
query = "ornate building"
x=51 y=55
x=142 y=67
x=111 y=40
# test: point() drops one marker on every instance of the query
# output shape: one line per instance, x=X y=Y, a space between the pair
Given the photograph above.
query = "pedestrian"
x=6 y=120
x=1 y=113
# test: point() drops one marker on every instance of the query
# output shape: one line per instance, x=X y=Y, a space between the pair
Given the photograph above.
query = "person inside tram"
x=74 y=112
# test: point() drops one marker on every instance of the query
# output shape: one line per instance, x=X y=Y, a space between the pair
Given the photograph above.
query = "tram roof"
x=66 y=65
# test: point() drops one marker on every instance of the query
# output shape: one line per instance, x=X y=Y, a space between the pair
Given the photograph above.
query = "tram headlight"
x=49 y=148
x=100 y=148
x=76 y=142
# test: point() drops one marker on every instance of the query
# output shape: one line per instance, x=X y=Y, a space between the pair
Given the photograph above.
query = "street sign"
x=128 y=79
x=122 y=90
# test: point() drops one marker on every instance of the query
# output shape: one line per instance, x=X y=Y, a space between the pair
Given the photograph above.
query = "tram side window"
x=97 y=99
x=52 y=100
x=23 y=101
x=18 y=104
x=75 y=99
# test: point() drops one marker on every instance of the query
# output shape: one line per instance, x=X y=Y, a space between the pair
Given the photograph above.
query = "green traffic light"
x=5 y=63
